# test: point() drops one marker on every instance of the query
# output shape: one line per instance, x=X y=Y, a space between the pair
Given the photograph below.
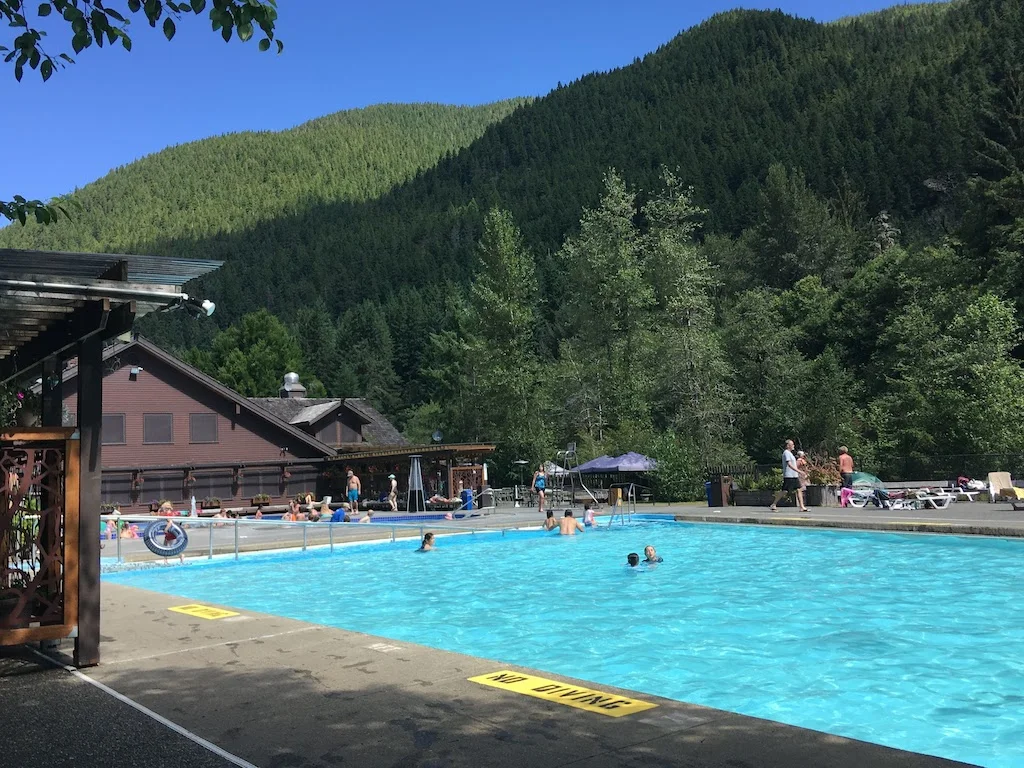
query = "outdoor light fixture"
x=133 y=374
x=198 y=308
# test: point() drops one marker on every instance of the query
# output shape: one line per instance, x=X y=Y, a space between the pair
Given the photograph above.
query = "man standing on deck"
x=354 y=489
x=393 y=493
x=790 y=479
x=845 y=466
x=568 y=525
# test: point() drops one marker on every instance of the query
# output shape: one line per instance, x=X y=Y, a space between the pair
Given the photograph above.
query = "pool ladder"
x=625 y=504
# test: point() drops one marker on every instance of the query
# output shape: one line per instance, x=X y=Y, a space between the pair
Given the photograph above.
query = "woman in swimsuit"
x=540 y=481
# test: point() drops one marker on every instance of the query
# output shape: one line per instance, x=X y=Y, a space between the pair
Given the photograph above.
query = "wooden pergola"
x=53 y=307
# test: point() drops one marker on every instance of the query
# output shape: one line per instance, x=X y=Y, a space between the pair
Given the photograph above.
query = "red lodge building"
x=172 y=432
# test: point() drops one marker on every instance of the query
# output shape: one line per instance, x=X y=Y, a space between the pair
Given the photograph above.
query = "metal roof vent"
x=292 y=387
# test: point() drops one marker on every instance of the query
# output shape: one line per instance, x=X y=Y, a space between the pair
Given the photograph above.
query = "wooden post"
x=52 y=411
x=90 y=423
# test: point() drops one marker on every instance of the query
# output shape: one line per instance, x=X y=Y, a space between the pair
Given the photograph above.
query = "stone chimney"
x=292 y=387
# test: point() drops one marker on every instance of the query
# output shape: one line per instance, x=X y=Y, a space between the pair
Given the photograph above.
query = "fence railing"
x=232 y=535
x=901 y=468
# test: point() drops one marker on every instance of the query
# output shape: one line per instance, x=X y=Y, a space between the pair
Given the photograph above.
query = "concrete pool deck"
x=279 y=693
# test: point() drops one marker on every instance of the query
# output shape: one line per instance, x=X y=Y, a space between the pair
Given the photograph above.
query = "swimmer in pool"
x=428 y=543
x=632 y=559
x=651 y=556
x=549 y=522
x=588 y=516
x=568 y=525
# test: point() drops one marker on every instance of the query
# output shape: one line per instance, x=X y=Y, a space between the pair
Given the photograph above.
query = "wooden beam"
x=90 y=422
x=35 y=634
x=96 y=318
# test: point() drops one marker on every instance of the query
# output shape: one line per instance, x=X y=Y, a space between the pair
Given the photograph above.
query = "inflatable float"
x=165 y=538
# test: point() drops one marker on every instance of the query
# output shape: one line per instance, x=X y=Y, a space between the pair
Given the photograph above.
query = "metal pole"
x=118 y=545
x=210 y=557
x=236 y=537
x=330 y=534
x=304 y=529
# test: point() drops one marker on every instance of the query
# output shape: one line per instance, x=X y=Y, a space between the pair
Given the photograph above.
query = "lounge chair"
x=1000 y=486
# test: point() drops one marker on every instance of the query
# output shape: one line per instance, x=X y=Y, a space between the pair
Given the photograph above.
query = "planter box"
x=259 y=502
x=754 y=498
x=822 y=496
x=210 y=505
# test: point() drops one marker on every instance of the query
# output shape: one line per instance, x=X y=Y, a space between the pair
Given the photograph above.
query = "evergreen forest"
x=767 y=228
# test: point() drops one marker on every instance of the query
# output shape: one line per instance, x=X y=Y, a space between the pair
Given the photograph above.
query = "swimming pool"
x=911 y=641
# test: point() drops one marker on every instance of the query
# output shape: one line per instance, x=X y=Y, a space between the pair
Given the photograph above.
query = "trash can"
x=720 y=494
x=486 y=497
x=467 y=498
x=707 y=492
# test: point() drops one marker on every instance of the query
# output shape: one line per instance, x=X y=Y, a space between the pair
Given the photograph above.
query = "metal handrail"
x=305 y=525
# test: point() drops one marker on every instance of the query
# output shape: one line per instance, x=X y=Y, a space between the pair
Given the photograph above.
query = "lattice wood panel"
x=38 y=535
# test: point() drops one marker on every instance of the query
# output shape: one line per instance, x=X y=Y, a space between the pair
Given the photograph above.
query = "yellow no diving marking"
x=551 y=690
x=203 y=611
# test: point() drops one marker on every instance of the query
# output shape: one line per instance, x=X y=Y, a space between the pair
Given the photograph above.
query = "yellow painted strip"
x=551 y=690
x=203 y=611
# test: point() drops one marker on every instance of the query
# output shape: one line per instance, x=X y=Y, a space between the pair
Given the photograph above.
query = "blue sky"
x=113 y=107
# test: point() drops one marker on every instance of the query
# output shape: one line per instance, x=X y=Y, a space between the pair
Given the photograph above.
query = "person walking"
x=790 y=479
x=845 y=467
x=801 y=467
x=540 y=482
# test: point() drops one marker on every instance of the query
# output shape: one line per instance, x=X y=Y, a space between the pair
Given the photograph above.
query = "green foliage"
x=508 y=380
x=98 y=22
x=252 y=356
x=680 y=470
x=365 y=355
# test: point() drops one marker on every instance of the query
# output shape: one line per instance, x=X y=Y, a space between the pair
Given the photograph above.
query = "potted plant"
x=260 y=499
x=823 y=481
x=210 y=502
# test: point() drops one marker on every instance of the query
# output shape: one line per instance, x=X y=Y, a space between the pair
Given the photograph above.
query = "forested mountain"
x=810 y=230
x=232 y=183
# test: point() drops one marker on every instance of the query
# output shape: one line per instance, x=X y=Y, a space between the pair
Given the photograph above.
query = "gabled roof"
x=377 y=430
x=298 y=410
x=211 y=384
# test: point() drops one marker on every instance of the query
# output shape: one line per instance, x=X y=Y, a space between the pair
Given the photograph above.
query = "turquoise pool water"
x=914 y=642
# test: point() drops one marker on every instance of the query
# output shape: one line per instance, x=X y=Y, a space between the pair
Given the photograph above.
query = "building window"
x=113 y=429
x=158 y=428
x=202 y=427
x=328 y=433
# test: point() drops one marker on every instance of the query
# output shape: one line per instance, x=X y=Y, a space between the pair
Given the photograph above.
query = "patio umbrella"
x=634 y=462
x=600 y=464
x=864 y=480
